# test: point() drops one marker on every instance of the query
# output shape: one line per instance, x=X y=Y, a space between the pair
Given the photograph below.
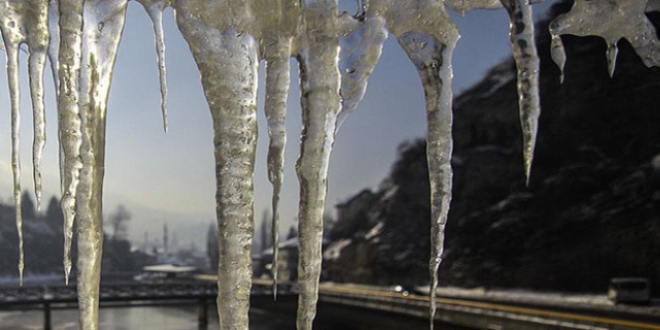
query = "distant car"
x=631 y=290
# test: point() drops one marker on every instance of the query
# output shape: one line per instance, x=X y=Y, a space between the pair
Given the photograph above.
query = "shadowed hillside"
x=591 y=212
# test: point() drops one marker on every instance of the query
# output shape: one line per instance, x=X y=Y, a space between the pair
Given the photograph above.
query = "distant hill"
x=44 y=243
x=591 y=212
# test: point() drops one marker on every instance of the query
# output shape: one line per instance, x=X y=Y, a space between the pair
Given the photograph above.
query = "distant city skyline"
x=170 y=177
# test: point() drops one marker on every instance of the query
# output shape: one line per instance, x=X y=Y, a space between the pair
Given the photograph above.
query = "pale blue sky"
x=174 y=172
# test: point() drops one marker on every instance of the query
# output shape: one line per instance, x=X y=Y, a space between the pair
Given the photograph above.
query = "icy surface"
x=463 y=6
x=610 y=20
x=360 y=51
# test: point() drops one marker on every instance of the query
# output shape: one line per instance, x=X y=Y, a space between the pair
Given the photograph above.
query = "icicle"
x=278 y=27
x=219 y=36
x=37 y=66
x=54 y=47
x=102 y=29
x=37 y=63
x=558 y=54
x=20 y=25
x=527 y=62
x=613 y=20
x=12 y=49
x=432 y=57
x=612 y=52
x=277 y=89
x=321 y=103
x=70 y=57
x=360 y=52
x=155 y=9
x=429 y=36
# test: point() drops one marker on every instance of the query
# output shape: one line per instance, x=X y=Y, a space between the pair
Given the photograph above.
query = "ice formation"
x=337 y=54
x=611 y=20
x=527 y=62
x=155 y=10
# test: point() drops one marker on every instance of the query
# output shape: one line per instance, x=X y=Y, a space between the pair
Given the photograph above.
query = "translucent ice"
x=320 y=82
x=155 y=10
x=25 y=22
x=221 y=38
x=69 y=121
x=429 y=36
x=610 y=20
x=228 y=39
x=463 y=6
x=279 y=27
x=101 y=33
x=360 y=51
x=527 y=63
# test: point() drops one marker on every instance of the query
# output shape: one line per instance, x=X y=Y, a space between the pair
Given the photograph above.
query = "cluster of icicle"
x=336 y=52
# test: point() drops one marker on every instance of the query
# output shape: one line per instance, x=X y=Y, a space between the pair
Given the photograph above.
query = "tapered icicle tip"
x=612 y=52
x=528 y=172
x=67 y=273
x=155 y=12
x=558 y=55
x=21 y=268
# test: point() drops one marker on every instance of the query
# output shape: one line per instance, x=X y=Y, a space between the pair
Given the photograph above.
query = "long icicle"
x=321 y=103
x=432 y=57
x=430 y=46
x=12 y=49
x=25 y=22
x=277 y=90
x=103 y=27
x=155 y=10
x=37 y=64
x=229 y=68
x=70 y=135
x=527 y=63
x=278 y=27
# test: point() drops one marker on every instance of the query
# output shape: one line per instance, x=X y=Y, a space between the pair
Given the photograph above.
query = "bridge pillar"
x=47 y=322
x=202 y=314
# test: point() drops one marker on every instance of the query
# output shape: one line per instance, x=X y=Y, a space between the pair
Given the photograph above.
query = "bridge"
x=340 y=301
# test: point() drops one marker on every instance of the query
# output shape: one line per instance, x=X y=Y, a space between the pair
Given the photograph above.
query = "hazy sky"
x=170 y=177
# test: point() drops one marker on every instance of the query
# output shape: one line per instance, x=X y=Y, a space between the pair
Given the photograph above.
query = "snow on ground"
x=550 y=299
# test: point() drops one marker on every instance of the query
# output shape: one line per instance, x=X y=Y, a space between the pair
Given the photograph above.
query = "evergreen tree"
x=28 y=206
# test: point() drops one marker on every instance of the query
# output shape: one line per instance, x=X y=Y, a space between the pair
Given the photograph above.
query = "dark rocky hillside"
x=590 y=213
